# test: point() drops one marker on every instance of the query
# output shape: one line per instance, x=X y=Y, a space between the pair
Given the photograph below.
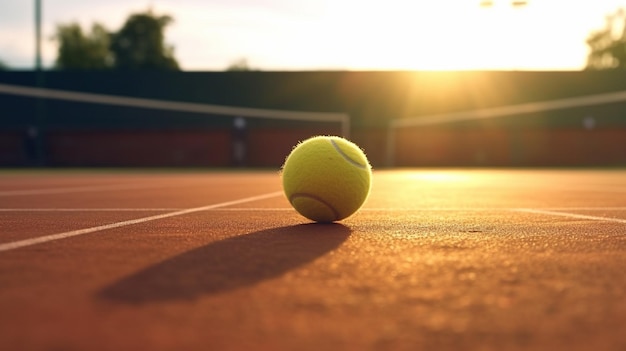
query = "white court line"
x=156 y=209
x=75 y=189
x=269 y=209
x=426 y=209
x=618 y=208
x=570 y=215
x=43 y=239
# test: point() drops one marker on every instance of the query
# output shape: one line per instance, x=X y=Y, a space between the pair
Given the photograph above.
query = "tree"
x=608 y=45
x=140 y=44
x=239 y=65
x=3 y=66
x=81 y=51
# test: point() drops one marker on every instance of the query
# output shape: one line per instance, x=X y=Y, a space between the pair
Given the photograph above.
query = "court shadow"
x=228 y=264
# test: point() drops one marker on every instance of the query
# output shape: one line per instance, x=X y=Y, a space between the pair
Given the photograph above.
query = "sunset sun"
x=440 y=35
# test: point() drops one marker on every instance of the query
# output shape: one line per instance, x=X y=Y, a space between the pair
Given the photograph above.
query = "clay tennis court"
x=449 y=259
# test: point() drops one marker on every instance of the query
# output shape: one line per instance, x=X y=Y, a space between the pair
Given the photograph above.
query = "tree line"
x=607 y=46
x=139 y=44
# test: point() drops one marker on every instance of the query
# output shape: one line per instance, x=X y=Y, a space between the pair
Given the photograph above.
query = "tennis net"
x=86 y=129
x=584 y=130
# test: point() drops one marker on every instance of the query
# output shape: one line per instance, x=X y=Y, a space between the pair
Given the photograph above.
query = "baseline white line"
x=235 y=209
x=75 y=189
x=88 y=209
x=377 y=209
x=570 y=215
x=43 y=239
x=434 y=209
x=485 y=209
x=618 y=208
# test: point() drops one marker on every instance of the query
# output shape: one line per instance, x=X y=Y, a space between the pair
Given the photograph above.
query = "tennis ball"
x=326 y=178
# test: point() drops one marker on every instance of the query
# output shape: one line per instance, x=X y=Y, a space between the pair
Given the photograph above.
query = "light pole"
x=38 y=35
x=36 y=132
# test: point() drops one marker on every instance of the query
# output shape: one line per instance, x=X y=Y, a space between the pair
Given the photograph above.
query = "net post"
x=390 y=157
x=345 y=125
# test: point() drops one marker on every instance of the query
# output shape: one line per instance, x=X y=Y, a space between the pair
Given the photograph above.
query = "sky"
x=278 y=35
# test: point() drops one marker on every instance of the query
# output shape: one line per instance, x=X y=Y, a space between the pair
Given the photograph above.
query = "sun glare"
x=435 y=35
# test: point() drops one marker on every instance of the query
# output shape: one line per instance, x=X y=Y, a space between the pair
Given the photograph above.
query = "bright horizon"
x=335 y=35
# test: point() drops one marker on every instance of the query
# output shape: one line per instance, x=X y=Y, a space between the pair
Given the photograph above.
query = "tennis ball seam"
x=346 y=157
x=316 y=198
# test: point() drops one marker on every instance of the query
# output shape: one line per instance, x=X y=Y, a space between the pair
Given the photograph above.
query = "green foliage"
x=3 y=66
x=140 y=44
x=83 y=51
x=608 y=45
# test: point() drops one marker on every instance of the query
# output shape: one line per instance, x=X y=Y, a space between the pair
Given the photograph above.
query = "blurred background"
x=237 y=83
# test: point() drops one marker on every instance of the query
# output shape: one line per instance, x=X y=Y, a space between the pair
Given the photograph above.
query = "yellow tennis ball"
x=326 y=178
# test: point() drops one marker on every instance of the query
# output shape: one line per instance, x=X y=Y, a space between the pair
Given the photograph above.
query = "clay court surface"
x=448 y=259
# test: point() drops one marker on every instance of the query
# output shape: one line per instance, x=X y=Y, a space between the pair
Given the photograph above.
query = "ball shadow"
x=228 y=264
